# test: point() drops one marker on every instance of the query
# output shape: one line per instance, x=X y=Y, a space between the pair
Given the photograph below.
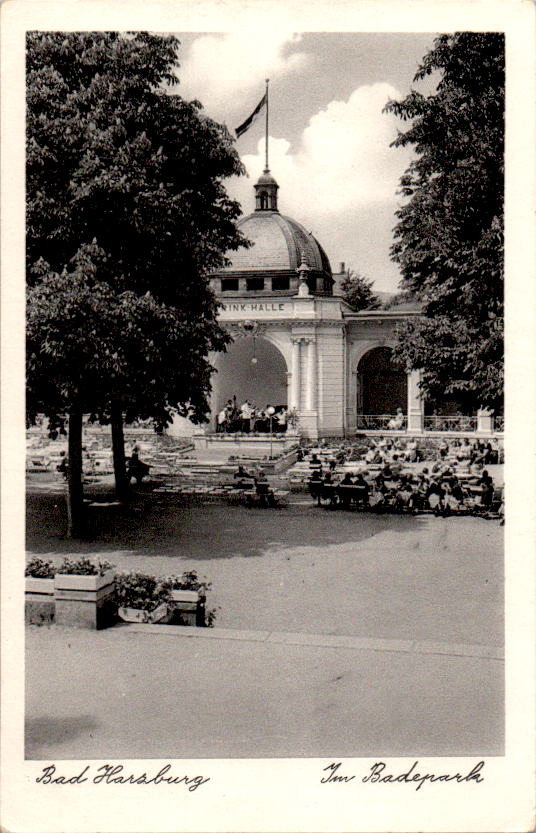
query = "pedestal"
x=484 y=424
x=85 y=601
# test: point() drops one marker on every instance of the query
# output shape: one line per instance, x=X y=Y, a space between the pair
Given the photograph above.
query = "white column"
x=310 y=395
x=294 y=398
x=415 y=403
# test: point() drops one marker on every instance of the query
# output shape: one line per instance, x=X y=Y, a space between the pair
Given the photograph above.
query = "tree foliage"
x=127 y=214
x=90 y=345
x=357 y=292
x=449 y=235
x=125 y=182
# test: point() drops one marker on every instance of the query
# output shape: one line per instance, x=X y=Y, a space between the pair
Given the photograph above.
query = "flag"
x=249 y=121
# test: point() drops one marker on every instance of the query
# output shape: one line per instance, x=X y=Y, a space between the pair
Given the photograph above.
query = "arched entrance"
x=382 y=387
x=253 y=369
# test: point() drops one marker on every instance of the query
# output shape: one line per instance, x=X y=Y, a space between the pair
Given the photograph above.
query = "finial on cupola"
x=303 y=274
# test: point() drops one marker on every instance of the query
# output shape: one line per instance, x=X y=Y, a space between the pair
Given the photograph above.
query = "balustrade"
x=450 y=423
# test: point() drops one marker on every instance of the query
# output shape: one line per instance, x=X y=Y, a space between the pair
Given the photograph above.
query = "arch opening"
x=382 y=387
x=252 y=369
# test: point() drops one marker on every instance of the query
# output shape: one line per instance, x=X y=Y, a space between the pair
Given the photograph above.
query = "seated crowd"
x=255 y=483
x=248 y=418
x=455 y=481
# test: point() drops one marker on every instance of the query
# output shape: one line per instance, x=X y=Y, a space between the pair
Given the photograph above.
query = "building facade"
x=296 y=343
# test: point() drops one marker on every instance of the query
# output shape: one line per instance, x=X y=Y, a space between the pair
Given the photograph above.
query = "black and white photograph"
x=264 y=443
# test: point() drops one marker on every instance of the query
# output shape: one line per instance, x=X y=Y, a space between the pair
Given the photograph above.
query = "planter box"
x=85 y=601
x=188 y=599
x=39 y=603
x=39 y=586
x=190 y=607
x=135 y=615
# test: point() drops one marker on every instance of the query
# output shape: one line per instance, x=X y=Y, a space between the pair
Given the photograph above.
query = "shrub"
x=37 y=568
x=84 y=567
x=140 y=591
x=187 y=581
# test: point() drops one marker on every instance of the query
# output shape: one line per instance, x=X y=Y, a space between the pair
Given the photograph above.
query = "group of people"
x=441 y=491
x=386 y=450
x=248 y=418
x=135 y=468
x=258 y=483
x=476 y=453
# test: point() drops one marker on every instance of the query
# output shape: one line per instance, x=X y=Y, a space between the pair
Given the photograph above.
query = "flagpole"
x=266 y=168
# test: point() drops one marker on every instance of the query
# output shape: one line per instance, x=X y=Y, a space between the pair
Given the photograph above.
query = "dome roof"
x=278 y=243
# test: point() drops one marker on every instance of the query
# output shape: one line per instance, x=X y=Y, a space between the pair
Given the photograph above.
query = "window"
x=229 y=284
x=280 y=283
x=254 y=284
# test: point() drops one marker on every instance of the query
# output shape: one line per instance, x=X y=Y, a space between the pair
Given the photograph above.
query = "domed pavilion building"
x=296 y=343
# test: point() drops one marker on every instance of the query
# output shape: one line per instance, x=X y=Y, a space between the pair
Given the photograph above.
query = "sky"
x=329 y=142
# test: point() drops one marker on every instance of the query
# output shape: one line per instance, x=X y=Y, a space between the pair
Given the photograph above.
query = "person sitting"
x=453 y=494
x=315 y=485
x=435 y=495
x=491 y=455
x=397 y=423
x=421 y=490
x=500 y=510
x=464 y=451
x=136 y=468
x=244 y=478
x=314 y=462
x=411 y=451
x=263 y=491
x=345 y=494
x=443 y=448
x=404 y=494
x=63 y=466
x=363 y=495
x=486 y=486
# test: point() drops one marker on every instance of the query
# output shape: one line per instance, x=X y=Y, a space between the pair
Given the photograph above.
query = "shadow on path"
x=205 y=531
x=50 y=731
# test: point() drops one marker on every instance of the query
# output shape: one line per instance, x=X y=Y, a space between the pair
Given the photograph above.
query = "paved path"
x=305 y=569
x=338 y=633
x=157 y=691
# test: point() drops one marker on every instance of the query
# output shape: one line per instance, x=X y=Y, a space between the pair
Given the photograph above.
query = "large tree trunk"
x=76 y=526
x=122 y=488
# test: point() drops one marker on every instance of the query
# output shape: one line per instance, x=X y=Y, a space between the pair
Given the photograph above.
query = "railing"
x=450 y=423
x=498 y=423
x=386 y=422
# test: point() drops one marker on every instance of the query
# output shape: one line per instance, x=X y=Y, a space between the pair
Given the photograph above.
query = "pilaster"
x=415 y=403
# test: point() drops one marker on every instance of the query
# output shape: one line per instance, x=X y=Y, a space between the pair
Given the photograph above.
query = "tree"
x=126 y=216
x=357 y=292
x=449 y=235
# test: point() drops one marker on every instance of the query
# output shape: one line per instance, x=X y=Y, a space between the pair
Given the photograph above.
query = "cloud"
x=343 y=159
x=340 y=180
x=223 y=70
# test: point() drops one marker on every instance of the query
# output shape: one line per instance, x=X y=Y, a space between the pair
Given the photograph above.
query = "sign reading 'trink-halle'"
x=256 y=309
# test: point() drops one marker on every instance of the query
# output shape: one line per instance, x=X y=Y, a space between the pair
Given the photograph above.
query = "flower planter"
x=84 y=601
x=39 y=604
x=190 y=606
x=135 y=615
